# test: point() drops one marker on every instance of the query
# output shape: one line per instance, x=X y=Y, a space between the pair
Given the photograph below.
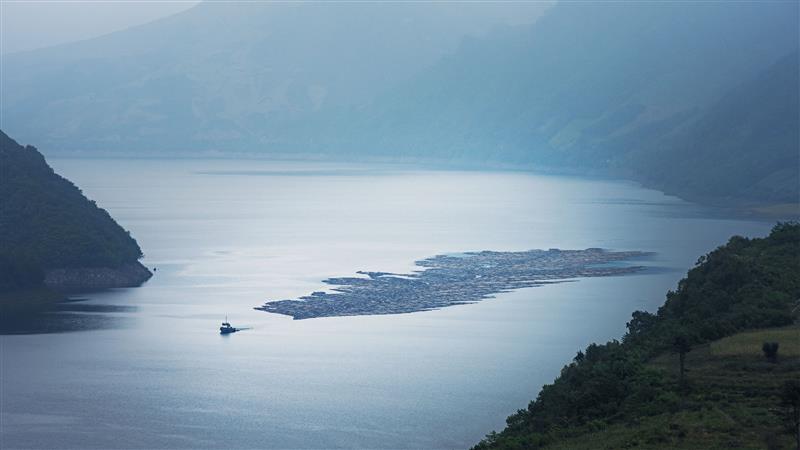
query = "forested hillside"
x=664 y=386
x=46 y=223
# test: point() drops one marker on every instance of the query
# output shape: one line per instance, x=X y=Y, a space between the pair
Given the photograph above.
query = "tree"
x=790 y=398
x=681 y=346
x=640 y=325
x=770 y=350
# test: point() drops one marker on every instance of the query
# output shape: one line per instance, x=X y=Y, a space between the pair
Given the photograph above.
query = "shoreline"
x=748 y=209
x=97 y=278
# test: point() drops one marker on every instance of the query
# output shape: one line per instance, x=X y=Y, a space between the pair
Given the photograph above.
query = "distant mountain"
x=52 y=234
x=744 y=148
x=688 y=98
x=696 y=99
x=231 y=76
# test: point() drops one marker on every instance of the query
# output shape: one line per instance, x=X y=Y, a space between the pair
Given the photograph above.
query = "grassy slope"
x=732 y=402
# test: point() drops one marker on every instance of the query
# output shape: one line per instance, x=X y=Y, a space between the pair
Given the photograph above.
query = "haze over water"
x=227 y=235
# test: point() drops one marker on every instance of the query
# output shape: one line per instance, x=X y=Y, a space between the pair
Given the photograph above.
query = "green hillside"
x=629 y=393
x=47 y=223
x=734 y=402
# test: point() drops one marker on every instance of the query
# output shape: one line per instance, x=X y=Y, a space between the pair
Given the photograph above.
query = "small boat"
x=226 y=327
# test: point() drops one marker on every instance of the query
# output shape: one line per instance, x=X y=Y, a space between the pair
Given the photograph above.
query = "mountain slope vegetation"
x=46 y=223
x=632 y=393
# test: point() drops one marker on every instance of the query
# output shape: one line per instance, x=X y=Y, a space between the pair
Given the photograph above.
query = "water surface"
x=227 y=235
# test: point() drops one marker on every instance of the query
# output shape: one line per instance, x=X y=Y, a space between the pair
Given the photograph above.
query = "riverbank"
x=31 y=309
x=693 y=375
x=723 y=207
x=96 y=278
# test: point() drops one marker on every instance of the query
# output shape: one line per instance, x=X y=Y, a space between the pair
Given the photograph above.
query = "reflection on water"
x=74 y=314
x=150 y=369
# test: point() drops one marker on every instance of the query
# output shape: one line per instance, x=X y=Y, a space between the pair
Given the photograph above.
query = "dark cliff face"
x=52 y=233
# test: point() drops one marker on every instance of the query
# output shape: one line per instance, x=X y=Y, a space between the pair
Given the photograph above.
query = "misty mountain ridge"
x=690 y=99
x=750 y=137
x=227 y=75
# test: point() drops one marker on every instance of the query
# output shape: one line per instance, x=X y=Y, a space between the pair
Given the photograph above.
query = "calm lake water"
x=146 y=367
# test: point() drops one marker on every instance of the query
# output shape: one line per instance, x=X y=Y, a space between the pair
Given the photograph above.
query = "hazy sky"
x=29 y=24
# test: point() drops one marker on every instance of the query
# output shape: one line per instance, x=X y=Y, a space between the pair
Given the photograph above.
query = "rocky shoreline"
x=95 y=278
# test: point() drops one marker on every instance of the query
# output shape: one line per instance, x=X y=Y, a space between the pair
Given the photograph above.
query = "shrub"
x=770 y=350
